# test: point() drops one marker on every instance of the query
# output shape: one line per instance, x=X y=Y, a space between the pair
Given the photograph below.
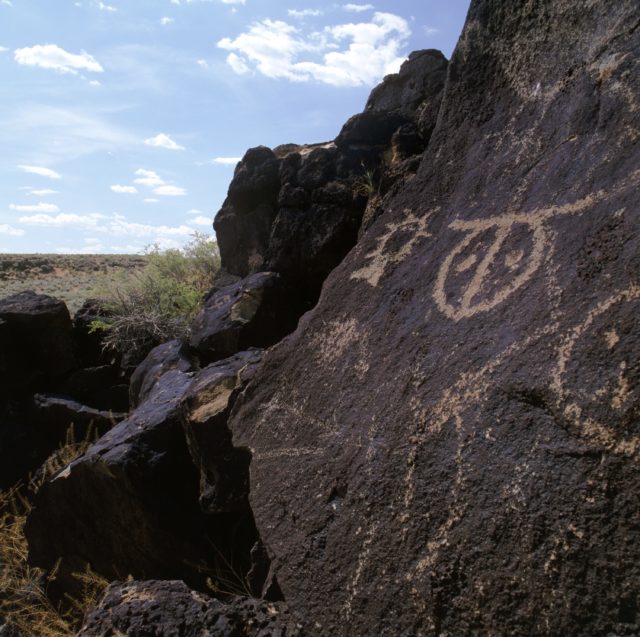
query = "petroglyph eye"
x=493 y=259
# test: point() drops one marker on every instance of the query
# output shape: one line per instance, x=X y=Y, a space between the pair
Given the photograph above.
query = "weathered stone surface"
x=255 y=312
x=129 y=504
x=54 y=415
x=449 y=443
x=36 y=346
x=169 y=609
x=224 y=470
x=160 y=360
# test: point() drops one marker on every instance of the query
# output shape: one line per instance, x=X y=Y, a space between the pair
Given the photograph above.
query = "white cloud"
x=40 y=170
x=151 y=200
x=200 y=221
x=148 y=178
x=341 y=55
x=106 y=7
x=194 y=211
x=164 y=21
x=128 y=190
x=170 y=191
x=431 y=31
x=226 y=161
x=357 y=8
x=8 y=3
x=119 y=226
x=163 y=141
x=94 y=83
x=51 y=56
x=43 y=192
x=3 y=49
x=5 y=228
x=304 y=13
x=38 y=207
x=203 y=64
x=63 y=219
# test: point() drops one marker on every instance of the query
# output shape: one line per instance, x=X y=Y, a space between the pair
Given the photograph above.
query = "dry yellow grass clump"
x=23 y=600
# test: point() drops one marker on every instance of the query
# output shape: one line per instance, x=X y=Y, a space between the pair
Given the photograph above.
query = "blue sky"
x=122 y=120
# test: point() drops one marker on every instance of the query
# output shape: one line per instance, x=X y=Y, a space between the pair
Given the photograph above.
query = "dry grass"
x=23 y=600
x=72 y=278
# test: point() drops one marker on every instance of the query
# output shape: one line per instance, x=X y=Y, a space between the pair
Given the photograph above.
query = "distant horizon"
x=123 y=122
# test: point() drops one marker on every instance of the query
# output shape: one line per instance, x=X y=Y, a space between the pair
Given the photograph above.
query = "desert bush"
x=160 y=302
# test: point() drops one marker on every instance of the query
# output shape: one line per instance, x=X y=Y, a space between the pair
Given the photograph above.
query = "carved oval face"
x=494 y=258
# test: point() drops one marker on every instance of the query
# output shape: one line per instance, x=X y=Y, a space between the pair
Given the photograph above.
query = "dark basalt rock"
x=54 y=415
x=163 y=494
x=255 y=312
x=169 y=608
x=161 y=359
x=88 y=341
x=224 y=470
x=450 y=441
x=36 y=345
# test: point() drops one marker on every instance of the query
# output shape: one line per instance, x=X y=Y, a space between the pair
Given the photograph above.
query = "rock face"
x=450 y=442
x=169 y=608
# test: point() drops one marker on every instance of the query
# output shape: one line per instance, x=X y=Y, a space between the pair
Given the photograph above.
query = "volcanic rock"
x=169 y=608
x=255 y=312
x=450 y=441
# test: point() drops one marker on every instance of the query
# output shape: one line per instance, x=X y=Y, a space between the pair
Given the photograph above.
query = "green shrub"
x=160 y=302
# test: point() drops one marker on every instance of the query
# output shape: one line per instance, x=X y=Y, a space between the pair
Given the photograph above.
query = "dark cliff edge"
x=411 y=403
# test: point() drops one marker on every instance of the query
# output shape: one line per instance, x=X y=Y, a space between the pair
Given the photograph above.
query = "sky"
x=122 y=121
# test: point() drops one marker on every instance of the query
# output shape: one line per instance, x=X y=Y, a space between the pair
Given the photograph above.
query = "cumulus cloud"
x=37 y=207
x=170 y=191
x=40 y=170
x=125 y=190
x=166 y=20
x=304 y=13
x=5 y=228
x=226 y=161
x=352 y=54
x=148 y=178
x=3 y=49
x=357 y=8
x=51 y=56
x=202 y=63
x=106 y=7
x=163 y=141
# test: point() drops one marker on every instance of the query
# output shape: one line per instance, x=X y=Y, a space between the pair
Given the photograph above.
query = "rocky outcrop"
x=449 y=443
x=169 y=608
x=297 y=210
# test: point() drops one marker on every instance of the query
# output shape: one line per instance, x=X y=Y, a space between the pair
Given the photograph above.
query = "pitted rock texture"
x=449 y=444
x=169 y=609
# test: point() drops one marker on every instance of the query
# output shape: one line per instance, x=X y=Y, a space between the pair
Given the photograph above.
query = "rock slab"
x=450 y=442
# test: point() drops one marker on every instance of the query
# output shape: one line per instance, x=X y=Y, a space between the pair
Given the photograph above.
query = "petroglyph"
x=587 y=399
x=500 y=254
x=379 y=259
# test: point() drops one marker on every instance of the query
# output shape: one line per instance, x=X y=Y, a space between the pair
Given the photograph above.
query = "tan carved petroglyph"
x=382 y=256
x=584 y=404
x=488 y=272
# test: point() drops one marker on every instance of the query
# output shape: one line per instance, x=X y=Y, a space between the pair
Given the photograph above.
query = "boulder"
x=89 y=347
x=161 y=359
x=449 y=443
x=36 y=345
x=129 y=505
x=163 y=494
x=98 y=387
x=255 y=312
x=170 y=608
x=224 y=470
